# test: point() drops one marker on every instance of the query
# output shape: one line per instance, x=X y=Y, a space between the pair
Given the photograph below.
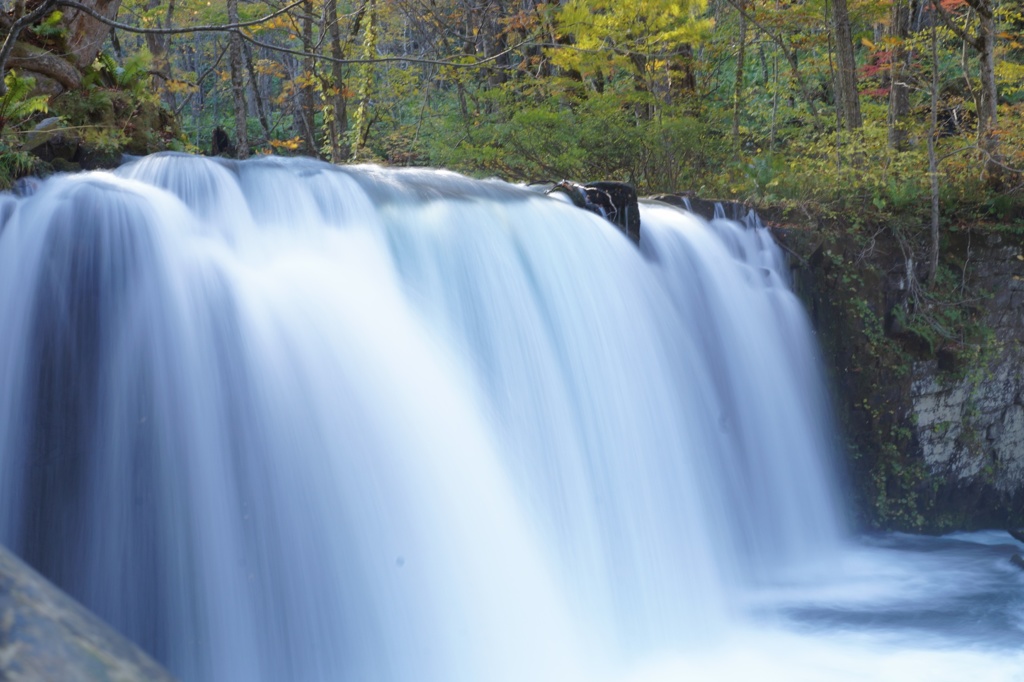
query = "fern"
x=104 y=62
x=14 y=165
x=51 y=27
x=133 y=77
x=18 y=104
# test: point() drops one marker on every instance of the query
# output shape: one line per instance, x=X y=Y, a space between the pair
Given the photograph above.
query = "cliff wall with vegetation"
x=929 y=382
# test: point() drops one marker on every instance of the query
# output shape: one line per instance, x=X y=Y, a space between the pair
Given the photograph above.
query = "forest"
x=879 y=106
x=904 y=113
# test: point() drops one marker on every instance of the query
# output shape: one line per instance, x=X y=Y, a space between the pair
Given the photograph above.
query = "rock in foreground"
x=46 y=635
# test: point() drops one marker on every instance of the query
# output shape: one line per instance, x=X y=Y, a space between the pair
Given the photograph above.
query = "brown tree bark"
x=987 y=100
x=899 y=71
x=307 y=98
x=238 y=85
x=159 y=46
x=847 y=96
x=86 y=35
x=682 y=79
x=737 y=100
x=53 y=73
x=988 y=113
x=933 y=163
x=257 y=95
x=13 y=24
x=339 y=124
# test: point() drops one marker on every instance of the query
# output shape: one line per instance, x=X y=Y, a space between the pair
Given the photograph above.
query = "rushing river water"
x=276 y=420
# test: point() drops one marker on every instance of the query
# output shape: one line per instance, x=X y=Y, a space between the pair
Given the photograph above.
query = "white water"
x=280 y=421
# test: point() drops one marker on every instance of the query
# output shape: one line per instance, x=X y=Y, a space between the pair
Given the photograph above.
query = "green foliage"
x=15 y=164
x=132 y=76
x=18 y=103
x=633 y=36
x=51 y=28
x=898 y=483
x=843 y=171
x=17 y=107
x=555 y=133
x=116 y=109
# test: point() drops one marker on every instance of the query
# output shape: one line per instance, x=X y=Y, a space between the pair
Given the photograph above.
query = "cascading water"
x=283 y=421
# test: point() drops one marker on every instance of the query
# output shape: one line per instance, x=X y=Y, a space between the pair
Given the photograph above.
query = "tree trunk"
x=87 y=35
x=847 y=96
x=933 y=163
x=682 y=81
x=55 y=72
x=361 y=123
x=159 y=46
x=257 y=95
x=790 y=53
x=794 y=70
x=307 y=98
x=643 y=109
x=899 y=69
x=238 y=85
x=737 y=100
x=339 y=122
x=988 y=120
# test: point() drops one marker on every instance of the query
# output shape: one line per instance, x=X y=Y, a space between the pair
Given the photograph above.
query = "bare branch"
x=951 y=25
x=200 y=78
x=387 y=60
x=236 y=28
x=205 y=28
x=989 y=157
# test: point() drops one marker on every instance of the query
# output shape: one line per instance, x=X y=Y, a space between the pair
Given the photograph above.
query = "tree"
x=334 y=91
x=900 y=56
x=14 y=24
x=238 y=85
x=847 y=96
x=988 y=100
x=982 y=38
x=740 y=61
x=632 y=36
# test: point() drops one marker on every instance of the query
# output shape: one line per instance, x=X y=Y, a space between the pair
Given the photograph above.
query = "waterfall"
x=278 y=420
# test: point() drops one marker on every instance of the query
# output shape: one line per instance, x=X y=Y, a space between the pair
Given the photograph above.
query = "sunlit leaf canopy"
x=709 y=95
x=602 y=34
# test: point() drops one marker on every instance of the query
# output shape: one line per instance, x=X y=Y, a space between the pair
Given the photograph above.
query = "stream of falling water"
x=277 y=420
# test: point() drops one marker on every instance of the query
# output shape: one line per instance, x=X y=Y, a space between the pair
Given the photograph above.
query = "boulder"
x=51 y=142
x=44 y=131
x=46 y=635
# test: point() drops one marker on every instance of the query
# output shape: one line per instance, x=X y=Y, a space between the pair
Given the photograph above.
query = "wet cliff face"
x=929 y=388
x=968 y=412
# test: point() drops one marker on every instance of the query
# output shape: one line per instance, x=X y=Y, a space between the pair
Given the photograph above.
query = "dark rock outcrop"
x=614 y=201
